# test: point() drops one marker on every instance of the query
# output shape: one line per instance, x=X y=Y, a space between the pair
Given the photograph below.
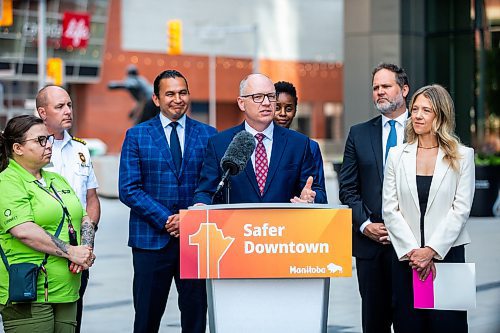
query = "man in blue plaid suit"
x=159 y=167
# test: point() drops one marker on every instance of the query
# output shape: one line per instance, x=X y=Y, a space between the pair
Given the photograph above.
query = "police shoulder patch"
x=79 y=140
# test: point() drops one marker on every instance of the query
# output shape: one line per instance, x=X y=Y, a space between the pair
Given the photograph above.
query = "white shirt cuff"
x=363 y=226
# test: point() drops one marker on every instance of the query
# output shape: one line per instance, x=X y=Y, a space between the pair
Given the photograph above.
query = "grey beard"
x=388 y=108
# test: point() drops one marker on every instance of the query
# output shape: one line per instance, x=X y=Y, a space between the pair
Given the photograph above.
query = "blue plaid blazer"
x=149 y=183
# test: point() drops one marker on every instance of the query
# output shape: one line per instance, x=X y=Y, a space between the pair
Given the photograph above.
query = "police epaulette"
x=79 y=140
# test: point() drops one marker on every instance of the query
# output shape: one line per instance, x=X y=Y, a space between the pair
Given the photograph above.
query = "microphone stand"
x=228 y=189
x=225 y=178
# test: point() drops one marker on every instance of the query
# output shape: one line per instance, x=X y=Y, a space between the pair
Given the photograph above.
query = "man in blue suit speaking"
x=159 y=168
x=281 y=168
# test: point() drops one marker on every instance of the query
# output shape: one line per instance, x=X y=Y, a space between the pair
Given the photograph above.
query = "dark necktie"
x=175 y=146
x=261 y=164
x=392 y=139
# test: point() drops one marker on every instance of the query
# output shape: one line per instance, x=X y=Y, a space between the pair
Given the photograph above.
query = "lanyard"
x=71 y=230
x=58 y=231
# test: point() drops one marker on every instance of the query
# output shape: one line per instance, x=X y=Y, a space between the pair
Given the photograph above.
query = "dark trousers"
x=79 y=303
x=374 y=280
x=153 y=274
x=407 y=319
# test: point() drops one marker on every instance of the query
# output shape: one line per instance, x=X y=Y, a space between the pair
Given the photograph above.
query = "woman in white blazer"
x=427 y=196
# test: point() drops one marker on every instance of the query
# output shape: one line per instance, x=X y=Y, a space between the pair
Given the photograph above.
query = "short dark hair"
x=401 y=77
x=15 y=132
x=168 y=74
x=287 y=88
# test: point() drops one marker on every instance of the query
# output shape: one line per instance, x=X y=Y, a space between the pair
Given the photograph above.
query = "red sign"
x=76 y=30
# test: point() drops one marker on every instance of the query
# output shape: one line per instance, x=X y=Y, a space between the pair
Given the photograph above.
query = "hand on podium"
x=307 y=195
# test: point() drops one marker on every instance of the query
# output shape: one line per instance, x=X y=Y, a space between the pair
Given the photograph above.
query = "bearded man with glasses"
x=281 y=169
x=70 y=158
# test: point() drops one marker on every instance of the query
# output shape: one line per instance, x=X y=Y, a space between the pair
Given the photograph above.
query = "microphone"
x=236 y=156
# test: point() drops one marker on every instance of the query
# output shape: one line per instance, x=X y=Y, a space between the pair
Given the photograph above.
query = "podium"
x=268 y=266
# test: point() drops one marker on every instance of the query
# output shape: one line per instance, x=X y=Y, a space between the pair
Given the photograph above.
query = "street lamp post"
x=217 y=33
x=42 y=43
x=212 y=65
x=255 y=61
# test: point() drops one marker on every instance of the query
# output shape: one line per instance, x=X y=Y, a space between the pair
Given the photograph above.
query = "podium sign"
x=265 y=243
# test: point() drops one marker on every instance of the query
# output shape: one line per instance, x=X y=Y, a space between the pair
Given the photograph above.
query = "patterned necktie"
x=261 y=165
x=175 y=146
x=392 y=139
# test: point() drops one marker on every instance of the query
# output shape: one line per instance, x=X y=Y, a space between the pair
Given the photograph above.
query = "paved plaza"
x=108 y=302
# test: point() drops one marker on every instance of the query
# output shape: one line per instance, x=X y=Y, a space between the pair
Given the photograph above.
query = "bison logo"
x=334 y=268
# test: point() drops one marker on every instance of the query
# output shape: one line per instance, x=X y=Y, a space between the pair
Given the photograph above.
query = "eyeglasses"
x=259 y=98
x=42 y=139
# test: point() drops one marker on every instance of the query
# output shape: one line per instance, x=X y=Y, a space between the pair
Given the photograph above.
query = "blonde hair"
x=443 y=125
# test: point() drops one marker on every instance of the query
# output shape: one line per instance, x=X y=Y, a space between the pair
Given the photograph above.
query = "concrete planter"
x=106 y=170
x=487 y=178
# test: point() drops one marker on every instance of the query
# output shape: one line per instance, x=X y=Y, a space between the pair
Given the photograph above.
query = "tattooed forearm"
x=88 y=233
x=59 y=243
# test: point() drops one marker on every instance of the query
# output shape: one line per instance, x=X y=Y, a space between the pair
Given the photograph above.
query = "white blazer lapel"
x=441 y=168
x=410 y=170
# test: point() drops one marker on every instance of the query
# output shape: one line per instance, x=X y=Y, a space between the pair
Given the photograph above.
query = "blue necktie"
x=175 y=146
x=392 y=139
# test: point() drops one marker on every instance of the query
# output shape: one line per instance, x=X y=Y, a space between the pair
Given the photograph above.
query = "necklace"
x=428 y=147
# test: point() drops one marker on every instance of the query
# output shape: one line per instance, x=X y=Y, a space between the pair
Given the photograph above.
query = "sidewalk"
x=108 y=301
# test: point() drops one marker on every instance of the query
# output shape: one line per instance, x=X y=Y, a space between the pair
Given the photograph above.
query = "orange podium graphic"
x=265 y=243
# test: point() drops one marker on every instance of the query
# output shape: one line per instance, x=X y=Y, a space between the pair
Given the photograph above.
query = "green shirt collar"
x=26 y=176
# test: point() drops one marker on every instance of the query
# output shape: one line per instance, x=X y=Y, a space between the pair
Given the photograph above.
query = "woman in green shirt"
x=32 y=204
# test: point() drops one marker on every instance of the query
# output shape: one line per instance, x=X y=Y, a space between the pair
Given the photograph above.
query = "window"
x=302 y=121
x=333 y=120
